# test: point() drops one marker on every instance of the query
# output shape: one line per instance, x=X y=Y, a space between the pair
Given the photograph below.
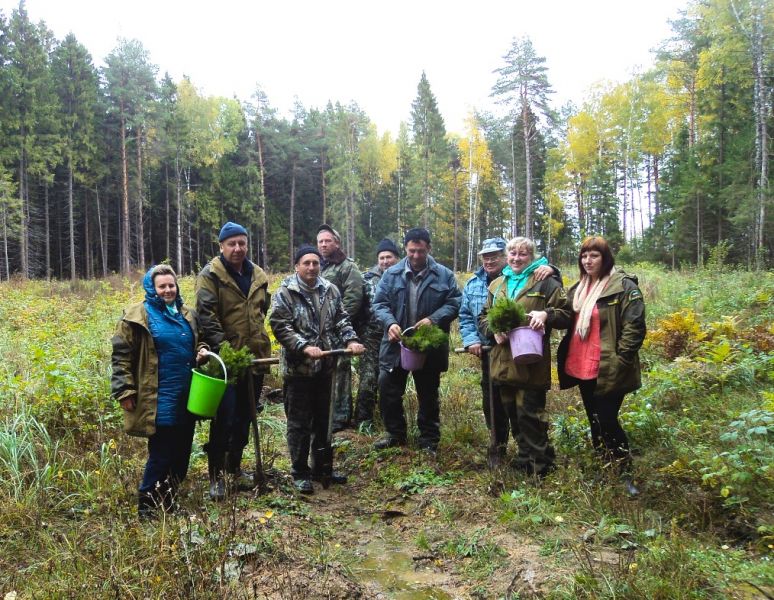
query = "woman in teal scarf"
x=524 y=387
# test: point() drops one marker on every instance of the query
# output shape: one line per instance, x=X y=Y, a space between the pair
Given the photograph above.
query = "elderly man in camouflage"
x=345 y=275
x=387 y=254
x=232 y=299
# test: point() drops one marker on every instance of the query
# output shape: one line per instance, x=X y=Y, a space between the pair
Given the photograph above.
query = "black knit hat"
x=387 y=245
x=417 y=234
x=303 y=251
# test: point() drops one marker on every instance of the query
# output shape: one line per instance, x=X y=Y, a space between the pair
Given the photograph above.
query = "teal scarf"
x=516 y=281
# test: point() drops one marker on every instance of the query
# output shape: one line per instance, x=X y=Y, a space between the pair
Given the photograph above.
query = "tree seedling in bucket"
x=236 y=361
x=506 y=314
x=423 y=339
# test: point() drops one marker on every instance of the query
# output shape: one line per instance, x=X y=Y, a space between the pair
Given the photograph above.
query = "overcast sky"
x=369 y=52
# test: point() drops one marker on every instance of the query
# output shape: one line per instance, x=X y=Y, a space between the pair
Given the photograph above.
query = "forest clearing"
x=407 y=525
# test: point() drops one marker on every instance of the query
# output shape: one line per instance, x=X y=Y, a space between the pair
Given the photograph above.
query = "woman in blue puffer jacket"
x=154 y=349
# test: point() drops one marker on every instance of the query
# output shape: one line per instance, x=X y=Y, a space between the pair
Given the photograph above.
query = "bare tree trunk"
x=292 y=213
x=324 y=189
x=140 y=216
x=102 y=236
x=656 y=207
x=70 y=219
x=263 y=255
x=25 y=223
x=527 y=170
x=125 y=257
x=455 y=251
x=87 y=241
x=179 y=216
x=514 y=195
x=5 y=244
x=48 y=234
x=166 y=211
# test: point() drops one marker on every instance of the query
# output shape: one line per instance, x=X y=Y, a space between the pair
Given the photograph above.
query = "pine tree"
x=523 y=86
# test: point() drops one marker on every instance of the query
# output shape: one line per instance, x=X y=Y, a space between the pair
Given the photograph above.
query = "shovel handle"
x=272 y=360
x=464 y=350
x=337 y=352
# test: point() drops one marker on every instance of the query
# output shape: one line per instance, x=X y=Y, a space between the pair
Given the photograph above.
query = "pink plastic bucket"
x=526 y=345
x=411 y=360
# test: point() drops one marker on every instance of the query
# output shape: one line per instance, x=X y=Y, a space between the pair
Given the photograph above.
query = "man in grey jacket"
x=416 y=292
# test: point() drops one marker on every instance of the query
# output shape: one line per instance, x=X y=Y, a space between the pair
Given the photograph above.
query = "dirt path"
x=402 y=527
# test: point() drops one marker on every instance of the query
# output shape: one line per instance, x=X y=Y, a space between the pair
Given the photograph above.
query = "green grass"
x=702 y=429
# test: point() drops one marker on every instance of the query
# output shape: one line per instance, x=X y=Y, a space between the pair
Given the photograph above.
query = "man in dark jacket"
x=387 y=254
x=415 y=292
x=345 y=275
x=308 y=318
x=232 y=299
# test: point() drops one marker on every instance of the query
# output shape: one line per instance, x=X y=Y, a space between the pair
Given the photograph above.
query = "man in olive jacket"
x=416 y=292
x=232 y=299
x=342 y=272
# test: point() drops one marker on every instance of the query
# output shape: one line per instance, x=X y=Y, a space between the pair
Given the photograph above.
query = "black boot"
x=215 y=464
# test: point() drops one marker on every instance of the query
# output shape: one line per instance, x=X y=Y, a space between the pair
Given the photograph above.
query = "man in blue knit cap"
x=232 y=299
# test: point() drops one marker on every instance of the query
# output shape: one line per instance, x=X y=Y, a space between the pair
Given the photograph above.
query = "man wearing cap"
x=387 y=254
x=415 y=292
x=345 y=275
x=308 y=318
x=474 y=295
x=232 y=299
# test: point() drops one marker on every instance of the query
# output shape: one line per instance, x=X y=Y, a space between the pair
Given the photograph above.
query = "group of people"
x=327 y=305
x=604 y=318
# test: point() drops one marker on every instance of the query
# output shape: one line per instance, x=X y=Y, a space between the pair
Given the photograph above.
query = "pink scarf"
x=586 y=296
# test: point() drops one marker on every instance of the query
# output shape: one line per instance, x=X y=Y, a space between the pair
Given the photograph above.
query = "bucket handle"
x=222 y=364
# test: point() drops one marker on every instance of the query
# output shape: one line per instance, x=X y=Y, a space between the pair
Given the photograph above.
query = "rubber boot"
x=215 y=464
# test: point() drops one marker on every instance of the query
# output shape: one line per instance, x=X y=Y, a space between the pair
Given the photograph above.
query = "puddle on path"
x=384 y=561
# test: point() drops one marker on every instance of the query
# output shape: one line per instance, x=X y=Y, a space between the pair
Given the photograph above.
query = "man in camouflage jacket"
x=345 y=275
x=308 y=318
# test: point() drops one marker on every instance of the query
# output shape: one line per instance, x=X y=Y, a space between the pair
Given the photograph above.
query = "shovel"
x=326 y=452
x=259 y=477
x=492 y=455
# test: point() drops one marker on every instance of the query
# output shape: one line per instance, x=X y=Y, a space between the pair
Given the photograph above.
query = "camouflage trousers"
x=368 y=375
x=536 y=455
x=342 y=394
x=306 y=408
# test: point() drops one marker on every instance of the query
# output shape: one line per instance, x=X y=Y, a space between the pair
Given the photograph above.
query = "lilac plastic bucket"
x=411 y=360
x=526 y=345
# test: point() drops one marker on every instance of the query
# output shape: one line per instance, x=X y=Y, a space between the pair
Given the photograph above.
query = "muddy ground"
x=393 y=531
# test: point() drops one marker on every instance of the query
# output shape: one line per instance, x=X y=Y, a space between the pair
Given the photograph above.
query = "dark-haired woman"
x=605 y=315
x=154 y=349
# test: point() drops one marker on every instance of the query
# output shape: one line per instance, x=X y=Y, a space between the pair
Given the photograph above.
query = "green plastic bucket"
x=206 y=392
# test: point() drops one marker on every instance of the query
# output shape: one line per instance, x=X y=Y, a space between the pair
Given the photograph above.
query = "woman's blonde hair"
x=519 y=242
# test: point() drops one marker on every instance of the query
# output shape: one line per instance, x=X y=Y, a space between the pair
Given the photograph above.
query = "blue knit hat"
x=230 y=230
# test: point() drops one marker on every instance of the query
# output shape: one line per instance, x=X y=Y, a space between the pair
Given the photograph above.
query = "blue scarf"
x=516 y=281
